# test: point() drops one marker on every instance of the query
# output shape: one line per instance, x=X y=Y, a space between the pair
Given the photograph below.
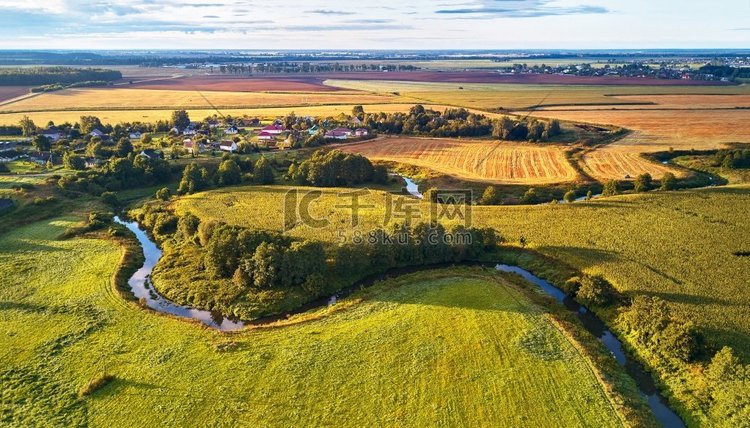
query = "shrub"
x=642 y=183
x=490 y=196
x=100 y=380
x=668 y=181
x=570 y=196
x=595 y=290
x=163 y=194
x=610 y=188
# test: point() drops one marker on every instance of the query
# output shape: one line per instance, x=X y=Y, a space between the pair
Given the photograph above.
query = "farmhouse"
x=228 y=146
x=193 y=146
x=274 y=129
x=152 y=154
x=266 y=136
x=53 y=134
x=98 y=133
x=339 y=134
x=361 y=132
x=232 y=130
x=135 y=135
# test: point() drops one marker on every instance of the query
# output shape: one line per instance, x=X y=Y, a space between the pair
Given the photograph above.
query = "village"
x=180 y=137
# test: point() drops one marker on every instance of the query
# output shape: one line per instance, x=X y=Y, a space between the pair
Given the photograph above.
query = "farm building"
x=274 y=129
x=339 y=134
x=193 y=146
x=228 y=146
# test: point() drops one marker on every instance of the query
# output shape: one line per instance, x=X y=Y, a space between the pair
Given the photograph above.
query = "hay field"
x=493 y=161
x=114 y=99
x=661 y=129
x=622 y=162
x=450 y=347
x=118 y=116
x=520 y=96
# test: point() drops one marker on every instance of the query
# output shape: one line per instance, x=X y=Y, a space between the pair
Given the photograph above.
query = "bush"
x=668 y=181
x=610 y=188
x=100 y=380
x=570 y=196
x=595 y=290
x=110 y=198
x=163 y=194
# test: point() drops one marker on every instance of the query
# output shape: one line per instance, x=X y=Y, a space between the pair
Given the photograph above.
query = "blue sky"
x=381 y=24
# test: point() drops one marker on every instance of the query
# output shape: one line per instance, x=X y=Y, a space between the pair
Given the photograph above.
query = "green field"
x=453 y=347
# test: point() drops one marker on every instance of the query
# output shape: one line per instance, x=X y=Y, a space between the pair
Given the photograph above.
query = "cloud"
x=330 y=12
x=519 y=9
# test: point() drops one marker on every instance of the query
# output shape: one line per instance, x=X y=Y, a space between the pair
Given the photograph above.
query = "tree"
x=595 y=290
x=643 y=183
x=570 y=196
x=180 y=119
x=228 y=173
x=610 y=188
x=89 y=123
x=266 y=265
x=554 y=128
x=41 y=143
x=124 y=147
x=668 y=181
x=163 y=194
x=358 y=112
x=72 y=161
x=263 y=171
x=194 y=179
x=530 y=197
x=146 y=139
x=28 y=128
x=490 y=196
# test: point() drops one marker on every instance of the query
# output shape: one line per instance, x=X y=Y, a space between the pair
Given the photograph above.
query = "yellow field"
x=518 y=96
x=110 y=99
x=117 y=116
x=661 y=129
x=620 y=162
x=661 y=102
x=493 y=161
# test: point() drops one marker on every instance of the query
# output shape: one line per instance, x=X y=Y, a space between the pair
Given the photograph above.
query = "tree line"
x=54 y=75
x=336 y=168
x=732 y=159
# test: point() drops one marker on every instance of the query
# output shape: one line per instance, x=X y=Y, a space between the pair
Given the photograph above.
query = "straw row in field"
x=493 y=161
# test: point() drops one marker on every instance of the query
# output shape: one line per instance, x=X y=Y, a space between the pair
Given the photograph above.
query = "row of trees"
x=335 y=168
x=232 y=170
x=732 y=158
x=116 y=174
x=51 y=75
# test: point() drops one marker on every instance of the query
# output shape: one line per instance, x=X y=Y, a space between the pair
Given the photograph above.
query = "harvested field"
x=123 y=99
x=493 y=161
x=658 y=130
x=618 y=163
x=118 y=116
x=10 y=92
x=240 y=84
x=665 y=102
x=539 y=79
x=491 y=96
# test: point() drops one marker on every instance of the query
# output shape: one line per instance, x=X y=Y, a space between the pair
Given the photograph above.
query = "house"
x=135 y=135
x=212 y=123
x=266 y=136
x=232 y=130
x=8 y=146
x=175 y=130
x=53 y=134
x=314 y=130
x=152 y=154
x=98 y=133
x=274 y=129
x=190 y=146
x=339 y=134
x=228 y=146
x=93 y=162
x=361 y=132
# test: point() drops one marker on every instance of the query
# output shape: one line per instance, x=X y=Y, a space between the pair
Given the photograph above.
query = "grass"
x=442 y=348
x=501 y=162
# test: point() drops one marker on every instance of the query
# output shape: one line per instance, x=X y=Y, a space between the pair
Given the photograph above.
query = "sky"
x=380 y=24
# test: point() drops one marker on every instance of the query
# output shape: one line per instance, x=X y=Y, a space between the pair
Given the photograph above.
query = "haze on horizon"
x=421 y=24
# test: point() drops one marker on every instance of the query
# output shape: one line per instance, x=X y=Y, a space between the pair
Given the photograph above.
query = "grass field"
x=519 y=96
x=640 y=242
x=444 y=348
x=492 y=161
x=117 y=116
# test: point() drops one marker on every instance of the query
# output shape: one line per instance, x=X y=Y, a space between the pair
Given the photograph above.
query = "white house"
x=232 y=130
x=266 y=136
x=228 y=146
x=135 y=135
x=191 y=146
x=98 y=133
x=339 y=134
x=274 y=129
x=361 y=132
x=53 y=134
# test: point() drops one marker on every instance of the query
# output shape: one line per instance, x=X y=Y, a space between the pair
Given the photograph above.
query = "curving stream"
x=140 y=285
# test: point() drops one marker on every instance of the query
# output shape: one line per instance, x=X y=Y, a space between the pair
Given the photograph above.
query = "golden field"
x=620 y=162
x=117 y=116
x=501 y=162
x=115 y=99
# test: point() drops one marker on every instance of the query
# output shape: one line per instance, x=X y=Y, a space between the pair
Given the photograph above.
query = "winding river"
x=140 y=285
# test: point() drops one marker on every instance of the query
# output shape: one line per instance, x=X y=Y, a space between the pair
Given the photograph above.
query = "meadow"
x=449 y=347
x=501 y=162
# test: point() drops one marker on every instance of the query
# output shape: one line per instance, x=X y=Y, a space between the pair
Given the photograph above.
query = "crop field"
x=118 y=116
x=492 y=161
x=10 y=92
x=513 y=96
x=616 y=162
x=239 y=84
x=658 y=130
x=115 y=99
x=669 y=102
x=447 y=347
